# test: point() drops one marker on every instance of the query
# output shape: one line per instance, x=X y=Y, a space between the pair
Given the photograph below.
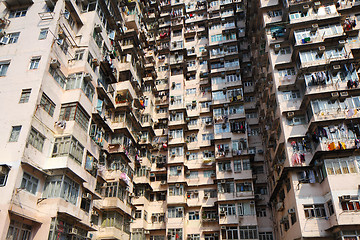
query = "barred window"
x=74 y=112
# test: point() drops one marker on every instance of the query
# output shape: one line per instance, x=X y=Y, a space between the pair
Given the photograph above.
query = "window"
x=15 y=132
x=17 y=13
x=227 y=187
x=176 y=190
x=25 y=95
x=3 y=68
x=175 y=212
x=85 y=202
x=175 y=170
x=47 y=104
x=74 y=112
x=330 y=207
x=283 y=51
x=63 y=187
x=293 y=218
x=192 y=174
x=82 y=81
x=43 y=33
x=4 y=175
x=228 y=209
x=248 y=232
x=224 y=166
x=138 y=214
x=175 y=234
x=36 y=139
x=266 y=236
x=314 y=211
x=68 y=146
x=64 y=46
x=58 y=76
x=12 y=37
x=230 y=233
x=291 y=95
x=177 y=151
x=157 y=237
x=340 y=166
x=60 y=229
x=34 y=63
x=261 y=212
x=353 y=205
x=194 y=215
x=244 y=187
x=79 y=54
x=212 y=193
x=29 y=183
x=18 y=231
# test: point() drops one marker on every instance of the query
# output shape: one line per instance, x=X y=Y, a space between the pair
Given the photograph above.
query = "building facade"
x=134 y=119
x=307 y=64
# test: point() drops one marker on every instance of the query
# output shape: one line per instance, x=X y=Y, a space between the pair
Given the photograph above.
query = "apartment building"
x=307 y=64
x=130 y=119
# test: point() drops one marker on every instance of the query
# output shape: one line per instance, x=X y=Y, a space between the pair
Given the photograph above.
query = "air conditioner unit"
x=291 y=210
x=345 y=198
x=131 y=194
x=179 y=168
x=177 y=185
x=290 y=114
x=206 y=195
x=277 y=46
x=172 y=155
x=223 y=227
x=315 y=26
x=223 y=181
x=321 y=49
x=342 y=42
x=98 y=28
x=187 y=153
x=335 y=94
x=54 y=63
x=73 y=231
x=60 y=42
x=337 y=67
x=344 y=94
x=152 y=174
x=279 y=206
x=3 y=169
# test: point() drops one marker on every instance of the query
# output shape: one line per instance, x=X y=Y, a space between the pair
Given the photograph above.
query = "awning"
x=24 y=216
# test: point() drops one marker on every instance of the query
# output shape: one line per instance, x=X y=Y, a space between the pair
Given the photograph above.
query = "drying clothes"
x=296 y=159
x=331 y=146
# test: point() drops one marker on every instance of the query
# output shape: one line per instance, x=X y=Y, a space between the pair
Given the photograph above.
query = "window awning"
x=24 y=216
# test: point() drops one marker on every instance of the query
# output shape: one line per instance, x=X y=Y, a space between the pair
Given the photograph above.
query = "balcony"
x=313 y=17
